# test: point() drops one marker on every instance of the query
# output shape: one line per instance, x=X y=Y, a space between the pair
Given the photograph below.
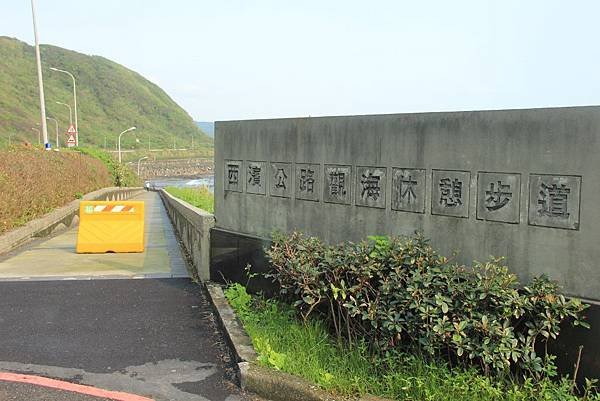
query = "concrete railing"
x=193 y=226
x=59 y=219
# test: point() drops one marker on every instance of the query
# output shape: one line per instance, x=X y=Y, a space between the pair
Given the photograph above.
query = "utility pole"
x=40 y=79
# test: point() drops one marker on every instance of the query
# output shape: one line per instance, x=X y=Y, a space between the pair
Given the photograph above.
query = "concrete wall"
x=193 y=226
x=514 y=183
x=59 y=219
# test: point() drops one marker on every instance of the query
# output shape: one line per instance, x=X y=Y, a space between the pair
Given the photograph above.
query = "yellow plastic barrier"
x=110 y=227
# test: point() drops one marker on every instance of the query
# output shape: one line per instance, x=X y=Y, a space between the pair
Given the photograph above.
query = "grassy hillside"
x=110 y=98
x=34 y=182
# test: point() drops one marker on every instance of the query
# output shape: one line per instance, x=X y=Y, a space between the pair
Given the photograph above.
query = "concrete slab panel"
x=499 y=197
x=281 y=180
x=408 y=190
x=308 y=181
x=554 y=201
x=338 y=184
x=371 y=186
x=450 y=195
x=234 y=175
x=256 y=177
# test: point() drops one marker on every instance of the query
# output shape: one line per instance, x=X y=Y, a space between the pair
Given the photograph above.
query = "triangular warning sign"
x=71 y=129
x=71 y=139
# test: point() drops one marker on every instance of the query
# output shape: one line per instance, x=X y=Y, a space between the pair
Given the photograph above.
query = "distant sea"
x=184 y=182
x=208 y=127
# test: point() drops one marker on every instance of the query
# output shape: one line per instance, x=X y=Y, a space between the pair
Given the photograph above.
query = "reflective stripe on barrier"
x=105 y=226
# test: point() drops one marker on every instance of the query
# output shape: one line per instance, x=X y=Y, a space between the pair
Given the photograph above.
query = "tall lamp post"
x=74 y=100
x=119 y=141
x=40 y=79
x=38 y=131
x=139 y=160
x=70 y=111
x=56 y=123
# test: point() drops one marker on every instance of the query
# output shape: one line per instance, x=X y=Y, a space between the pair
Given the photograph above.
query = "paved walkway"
x=56 y=257
x=152 y=337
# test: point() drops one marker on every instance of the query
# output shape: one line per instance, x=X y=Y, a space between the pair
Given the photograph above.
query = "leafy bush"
x=401 y=294
x=122 y=175
x=200 y=197
x=308 y=350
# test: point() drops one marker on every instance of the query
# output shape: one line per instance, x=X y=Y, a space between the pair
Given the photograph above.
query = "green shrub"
x=122 y=175
x=400 y=294
x=306 y=348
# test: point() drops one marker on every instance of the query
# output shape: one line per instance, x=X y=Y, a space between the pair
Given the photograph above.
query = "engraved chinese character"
x=233 y=173
x=370 y=185
x=337 y=183
x=254 y=174
x=553 y=200
x=450 y=192
x=407 y=189
x=497 y=196
x=280 y=178
x=307 y=180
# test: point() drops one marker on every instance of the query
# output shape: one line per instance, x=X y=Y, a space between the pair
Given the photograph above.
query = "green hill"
x=110 y=98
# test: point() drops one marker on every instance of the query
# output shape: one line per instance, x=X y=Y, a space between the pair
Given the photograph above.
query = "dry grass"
x=34 y=181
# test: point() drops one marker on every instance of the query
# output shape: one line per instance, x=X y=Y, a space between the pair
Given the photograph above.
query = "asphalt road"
x=151 y=337
x=148 y=330
x=21 y=392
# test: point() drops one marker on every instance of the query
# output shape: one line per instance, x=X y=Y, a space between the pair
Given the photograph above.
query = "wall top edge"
x=421 y=113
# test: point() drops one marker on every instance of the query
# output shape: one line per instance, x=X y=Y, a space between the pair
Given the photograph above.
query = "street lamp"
x=74 y=101
x=40 y=80
x=70 y=111
x=142 y=158
x=119 y=142
x=38 y=131
x=55 y=122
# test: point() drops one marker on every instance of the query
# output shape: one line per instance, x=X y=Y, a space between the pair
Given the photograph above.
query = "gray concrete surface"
x=193 y=226
x=55 y=258
x=431 y=172
x=59 y=219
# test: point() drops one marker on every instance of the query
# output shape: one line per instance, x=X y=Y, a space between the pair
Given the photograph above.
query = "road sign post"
x=71 y=136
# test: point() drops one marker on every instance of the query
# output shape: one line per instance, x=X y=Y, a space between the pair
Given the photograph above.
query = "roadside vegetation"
x=34 y=181
x=391 y=317
x=200 y=197
x=122 y=175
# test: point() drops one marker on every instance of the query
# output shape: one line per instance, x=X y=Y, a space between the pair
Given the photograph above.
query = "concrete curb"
x=268 y=383
x=193 y=226
x=59 y=219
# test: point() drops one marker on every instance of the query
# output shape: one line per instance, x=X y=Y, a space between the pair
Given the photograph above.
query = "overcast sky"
x=224 y=60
